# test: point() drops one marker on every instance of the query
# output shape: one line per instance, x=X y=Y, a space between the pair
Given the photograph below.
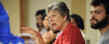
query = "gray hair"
x=61 y=7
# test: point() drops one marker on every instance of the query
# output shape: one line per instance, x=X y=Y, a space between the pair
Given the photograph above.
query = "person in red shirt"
x=58 y=17
x=70 y=35
x=58 y=13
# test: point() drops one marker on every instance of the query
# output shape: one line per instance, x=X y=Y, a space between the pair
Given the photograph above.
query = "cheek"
x=44 y=23
x=59 y=20
x=59 y=23
x=100 y=18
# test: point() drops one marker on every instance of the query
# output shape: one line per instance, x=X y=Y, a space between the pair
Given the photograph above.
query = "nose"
x=93 y=15
x=50 y=19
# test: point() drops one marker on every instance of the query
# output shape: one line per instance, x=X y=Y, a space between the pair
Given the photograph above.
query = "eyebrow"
x=96 y=10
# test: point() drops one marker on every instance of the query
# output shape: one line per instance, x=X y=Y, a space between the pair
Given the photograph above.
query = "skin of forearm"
x=40 y=40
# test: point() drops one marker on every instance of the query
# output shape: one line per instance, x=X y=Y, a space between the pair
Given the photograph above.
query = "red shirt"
x=70 y=35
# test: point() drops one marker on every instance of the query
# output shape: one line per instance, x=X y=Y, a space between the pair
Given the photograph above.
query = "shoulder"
x=106 y=41
x=74 y=29
x=70 y=28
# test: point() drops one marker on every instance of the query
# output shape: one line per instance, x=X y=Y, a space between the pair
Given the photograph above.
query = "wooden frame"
x=21 y=14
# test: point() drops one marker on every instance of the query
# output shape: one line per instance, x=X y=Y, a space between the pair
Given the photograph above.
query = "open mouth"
x=93 y=21
x=53 y=24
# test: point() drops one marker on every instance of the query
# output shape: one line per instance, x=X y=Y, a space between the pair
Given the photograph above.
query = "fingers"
x=29 y=30
x=38 y=35
x=26 y=28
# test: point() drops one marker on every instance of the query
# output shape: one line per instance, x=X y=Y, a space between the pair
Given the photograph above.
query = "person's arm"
x=34 y=33
x=39 y=38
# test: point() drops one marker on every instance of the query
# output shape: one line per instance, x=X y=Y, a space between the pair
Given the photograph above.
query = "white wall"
x=79 y=7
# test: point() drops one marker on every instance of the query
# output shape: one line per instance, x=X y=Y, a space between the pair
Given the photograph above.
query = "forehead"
x=51 y=12
x=100 y=7
x=46 y=17
x=39 y=16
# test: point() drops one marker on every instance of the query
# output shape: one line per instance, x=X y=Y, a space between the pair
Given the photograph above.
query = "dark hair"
x=41 y=12
x=61 y=7
x=78 y=20
x=105 y=3
x=37 y=25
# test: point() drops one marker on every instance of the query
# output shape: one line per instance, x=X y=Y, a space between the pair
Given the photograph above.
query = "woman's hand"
x=31 y=31
x=49 y=36
x=28 y=30
x=35 y=34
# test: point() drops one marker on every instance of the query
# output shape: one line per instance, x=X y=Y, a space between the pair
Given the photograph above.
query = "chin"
x=56 y=29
